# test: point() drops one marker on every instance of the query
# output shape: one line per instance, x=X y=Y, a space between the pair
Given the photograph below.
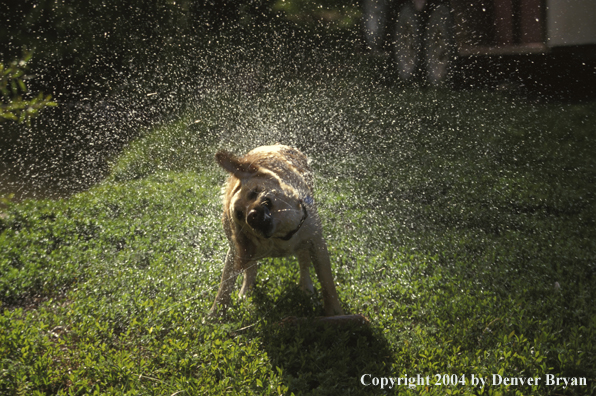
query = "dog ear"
x=234 y=165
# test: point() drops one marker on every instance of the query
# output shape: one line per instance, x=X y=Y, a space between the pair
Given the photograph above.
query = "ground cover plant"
x=462 y=224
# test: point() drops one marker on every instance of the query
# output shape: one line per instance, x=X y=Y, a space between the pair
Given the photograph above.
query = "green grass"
x=461 y=223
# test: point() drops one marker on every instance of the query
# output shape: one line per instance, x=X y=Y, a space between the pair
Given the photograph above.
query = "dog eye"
x=252 y=195
x=239 y=214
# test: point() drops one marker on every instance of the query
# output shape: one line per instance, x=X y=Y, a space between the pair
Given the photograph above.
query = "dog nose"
x=259 y=219
x=252 y=217
x=260 y=215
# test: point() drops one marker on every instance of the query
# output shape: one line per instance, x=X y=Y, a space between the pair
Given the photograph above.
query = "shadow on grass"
x=316 y=357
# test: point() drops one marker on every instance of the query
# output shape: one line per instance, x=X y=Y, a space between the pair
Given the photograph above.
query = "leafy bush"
x=13 y=87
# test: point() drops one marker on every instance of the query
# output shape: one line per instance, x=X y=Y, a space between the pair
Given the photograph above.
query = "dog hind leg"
x=320 y=258
x=305 y=282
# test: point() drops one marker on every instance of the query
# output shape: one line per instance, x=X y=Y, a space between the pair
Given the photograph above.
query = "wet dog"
x=269 y=211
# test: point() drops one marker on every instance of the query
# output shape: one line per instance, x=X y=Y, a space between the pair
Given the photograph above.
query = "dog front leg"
x=320 y=258
x=226 y=287
x=250 y=276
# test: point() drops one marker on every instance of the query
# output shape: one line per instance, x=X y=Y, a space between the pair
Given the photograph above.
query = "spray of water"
x=414 y=185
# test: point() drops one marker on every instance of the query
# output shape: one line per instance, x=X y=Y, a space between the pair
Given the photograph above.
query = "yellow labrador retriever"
x=269 y=211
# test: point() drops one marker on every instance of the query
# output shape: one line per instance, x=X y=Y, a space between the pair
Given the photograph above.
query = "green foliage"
x=461 y=223
x=12 y=85
x=103 y=44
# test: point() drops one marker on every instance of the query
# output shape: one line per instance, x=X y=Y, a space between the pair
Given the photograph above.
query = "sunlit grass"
x=461 y=223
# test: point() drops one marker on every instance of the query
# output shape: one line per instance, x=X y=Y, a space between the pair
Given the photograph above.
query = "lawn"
x=461 y=223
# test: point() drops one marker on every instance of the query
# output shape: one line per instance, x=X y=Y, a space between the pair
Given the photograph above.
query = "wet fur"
x=269 y=211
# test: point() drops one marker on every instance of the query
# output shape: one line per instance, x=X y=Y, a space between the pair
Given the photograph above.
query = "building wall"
x=570 y=22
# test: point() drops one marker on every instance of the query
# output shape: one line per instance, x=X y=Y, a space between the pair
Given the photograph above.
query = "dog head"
x=258 y=200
